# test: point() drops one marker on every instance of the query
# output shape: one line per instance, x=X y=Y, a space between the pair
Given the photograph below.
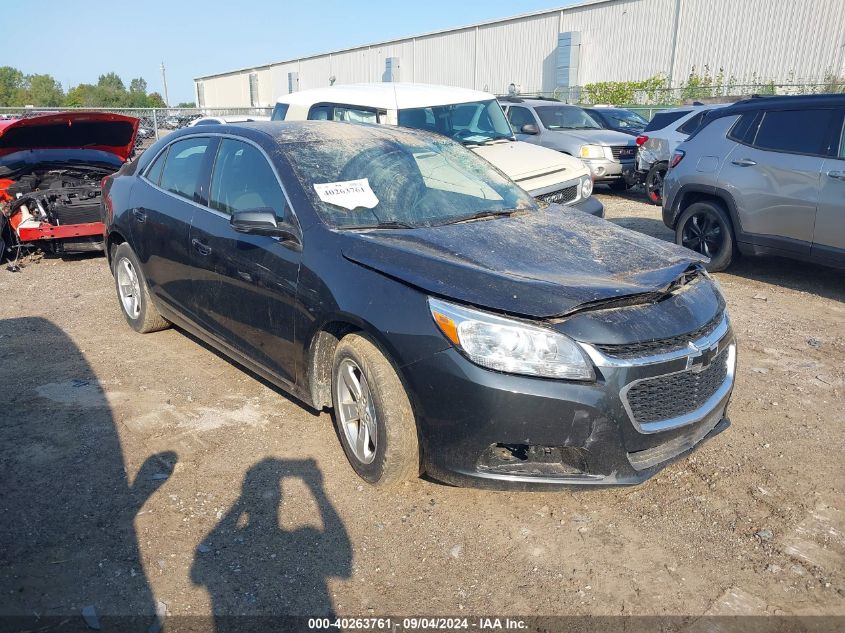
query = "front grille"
x=668 y=397
x=623 y=152
x=662 y=346
x=561 y=196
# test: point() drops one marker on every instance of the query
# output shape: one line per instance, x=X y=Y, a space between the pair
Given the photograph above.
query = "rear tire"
x=654 y=183
x=133 y=293
x=706 y=228
x=373 y=414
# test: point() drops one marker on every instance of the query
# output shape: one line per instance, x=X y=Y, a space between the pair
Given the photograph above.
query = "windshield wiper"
x=389 y=224
x=489 y=213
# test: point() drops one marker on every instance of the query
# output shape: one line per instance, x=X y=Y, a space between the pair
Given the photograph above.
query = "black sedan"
x=451 y=324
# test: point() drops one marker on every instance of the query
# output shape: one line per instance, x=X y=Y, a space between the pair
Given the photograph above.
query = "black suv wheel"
x=706 y=228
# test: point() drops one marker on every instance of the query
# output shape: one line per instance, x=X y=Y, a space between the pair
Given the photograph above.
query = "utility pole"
x=164 y=81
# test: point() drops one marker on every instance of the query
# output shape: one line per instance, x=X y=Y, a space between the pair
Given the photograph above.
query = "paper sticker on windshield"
x=348 y=194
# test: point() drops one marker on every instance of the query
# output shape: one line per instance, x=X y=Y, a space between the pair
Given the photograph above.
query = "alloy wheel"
x=703 y=233
x=356 y=411
x=129 y=288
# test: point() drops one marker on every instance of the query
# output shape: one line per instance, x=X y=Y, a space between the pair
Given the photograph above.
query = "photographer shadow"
x=253 y=568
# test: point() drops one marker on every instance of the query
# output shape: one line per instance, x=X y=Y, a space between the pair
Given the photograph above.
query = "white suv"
x=471 y=117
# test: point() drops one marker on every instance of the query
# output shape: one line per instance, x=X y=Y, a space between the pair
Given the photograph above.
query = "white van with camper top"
x=470 y=117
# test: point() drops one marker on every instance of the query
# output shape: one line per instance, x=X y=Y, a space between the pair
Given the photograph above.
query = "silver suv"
x=570 y=129
x=765 y=176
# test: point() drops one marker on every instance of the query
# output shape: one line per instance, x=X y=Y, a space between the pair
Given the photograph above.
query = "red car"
x=51 y=170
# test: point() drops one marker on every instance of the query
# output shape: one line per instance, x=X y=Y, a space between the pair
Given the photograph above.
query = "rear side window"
x=692 y=124
x=662 y=119
x=842 y=143
x=182 y=169
x=279 y=112
x=154 y=172
x=243 y=179
x=745 y=128
x=797 y=131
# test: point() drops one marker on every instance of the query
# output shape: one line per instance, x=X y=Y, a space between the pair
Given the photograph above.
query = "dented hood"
x=541 y=264
x=103 y=131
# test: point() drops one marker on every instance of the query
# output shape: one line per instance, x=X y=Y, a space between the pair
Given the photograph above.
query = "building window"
x=253 y=89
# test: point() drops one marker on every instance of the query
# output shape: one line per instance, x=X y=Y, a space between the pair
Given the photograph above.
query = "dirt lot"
x=148 y=472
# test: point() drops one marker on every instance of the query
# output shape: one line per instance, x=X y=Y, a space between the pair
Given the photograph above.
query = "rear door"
x=163 y=205
x=246 y=287
x=829 y=234
x=773 y=174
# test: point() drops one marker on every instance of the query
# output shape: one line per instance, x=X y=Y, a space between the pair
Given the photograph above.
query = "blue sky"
x=76 y=44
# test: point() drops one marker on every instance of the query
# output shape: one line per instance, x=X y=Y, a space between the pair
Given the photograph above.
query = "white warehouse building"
x=782 y=41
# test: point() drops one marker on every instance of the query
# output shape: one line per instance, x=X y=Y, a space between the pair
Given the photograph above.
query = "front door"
x=246 y=291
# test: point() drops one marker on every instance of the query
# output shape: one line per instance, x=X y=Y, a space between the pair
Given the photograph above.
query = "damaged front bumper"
x=648 y=407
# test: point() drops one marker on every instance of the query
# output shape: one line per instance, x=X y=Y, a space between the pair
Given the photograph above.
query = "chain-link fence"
x=154 y=122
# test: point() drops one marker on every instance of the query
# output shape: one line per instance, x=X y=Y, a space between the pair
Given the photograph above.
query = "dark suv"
x=765 y=176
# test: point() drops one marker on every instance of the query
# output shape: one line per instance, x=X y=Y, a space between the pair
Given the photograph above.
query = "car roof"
x=387 y=96
x=535 y=102
x=287 y=132
x=780 y=102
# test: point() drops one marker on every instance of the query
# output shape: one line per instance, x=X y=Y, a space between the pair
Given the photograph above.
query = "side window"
x=243 y=179
x=745 y=128
x=184 y=164
x=154 y=171
x=279 y=112
x=842 y=141
x=797 y=131
x=691 y=124
x=354 y=115
x=519 y=116
x=320 y=113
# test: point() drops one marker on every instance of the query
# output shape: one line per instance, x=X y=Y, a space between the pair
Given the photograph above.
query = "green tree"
x=11 y=80
x=83 y=95
x=187 y=104
x=137 y=96
x=42 y=90
x=155 y=100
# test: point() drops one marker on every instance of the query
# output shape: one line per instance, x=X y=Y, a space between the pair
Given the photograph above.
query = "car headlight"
x=592 y=151
x=510 y=346
x=586 y=187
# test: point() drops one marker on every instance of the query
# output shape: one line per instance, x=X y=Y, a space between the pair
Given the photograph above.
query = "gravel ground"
x=144 y=473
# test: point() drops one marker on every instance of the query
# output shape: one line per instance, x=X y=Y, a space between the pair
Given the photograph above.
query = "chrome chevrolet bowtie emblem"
x=700 y=358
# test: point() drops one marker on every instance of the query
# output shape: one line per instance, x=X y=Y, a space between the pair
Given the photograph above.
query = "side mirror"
x=530 y=128
x=261 y=221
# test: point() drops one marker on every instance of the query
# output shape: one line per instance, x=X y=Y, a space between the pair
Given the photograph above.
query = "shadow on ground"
x=68 y=507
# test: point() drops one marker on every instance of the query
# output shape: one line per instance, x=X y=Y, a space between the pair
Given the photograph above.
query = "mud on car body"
x=51 y=169
x=453 y=324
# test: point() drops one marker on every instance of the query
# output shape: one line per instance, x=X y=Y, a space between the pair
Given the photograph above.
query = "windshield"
x=566 y=118
x=624 y=119
x=403 y=180
x=472 y=123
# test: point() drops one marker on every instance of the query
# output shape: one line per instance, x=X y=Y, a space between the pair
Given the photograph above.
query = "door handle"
x=199 y=247
x=744 y=162
x=140 y=215
x=839 y=175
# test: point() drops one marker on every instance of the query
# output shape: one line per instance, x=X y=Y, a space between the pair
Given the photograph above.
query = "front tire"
x=133 y=293
x=654 y=183
x=706 y=228
x=373 y=415
x=619 y=186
